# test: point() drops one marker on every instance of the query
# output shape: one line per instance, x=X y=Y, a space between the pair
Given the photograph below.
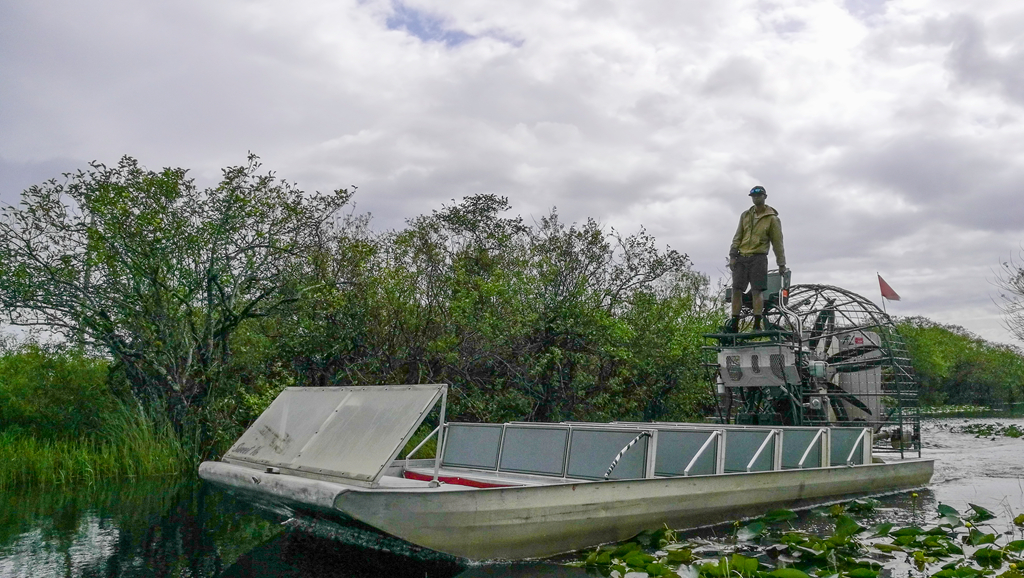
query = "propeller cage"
x=767 y=365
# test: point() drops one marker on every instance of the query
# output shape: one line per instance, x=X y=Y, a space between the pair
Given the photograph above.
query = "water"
x=184 y=528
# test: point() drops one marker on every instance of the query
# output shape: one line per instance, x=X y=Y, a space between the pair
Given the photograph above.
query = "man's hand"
x=732 y=262
x=782 y=271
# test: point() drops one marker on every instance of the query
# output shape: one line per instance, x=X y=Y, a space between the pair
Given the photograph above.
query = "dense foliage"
x=63 y=421
x=52 y=393
x=955 y=366
x=207 y=303
x=155 y=273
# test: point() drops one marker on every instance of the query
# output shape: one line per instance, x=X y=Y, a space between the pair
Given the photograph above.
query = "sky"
x=888 y=133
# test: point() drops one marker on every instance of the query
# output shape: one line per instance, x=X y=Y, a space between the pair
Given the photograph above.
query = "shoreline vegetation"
x=62 y=423
x=141 y=452
x=170 y=317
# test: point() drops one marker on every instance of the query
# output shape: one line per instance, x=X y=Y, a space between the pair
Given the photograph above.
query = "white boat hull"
x=538 y=521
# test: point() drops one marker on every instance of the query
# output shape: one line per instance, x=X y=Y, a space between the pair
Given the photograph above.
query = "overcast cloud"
x=887 y=133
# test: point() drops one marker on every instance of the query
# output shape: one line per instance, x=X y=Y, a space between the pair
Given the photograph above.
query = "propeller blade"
x=820 y=322
x=849 y=398
x=838 y=409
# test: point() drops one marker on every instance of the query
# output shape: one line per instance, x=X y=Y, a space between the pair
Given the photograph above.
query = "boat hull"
x=539 y=521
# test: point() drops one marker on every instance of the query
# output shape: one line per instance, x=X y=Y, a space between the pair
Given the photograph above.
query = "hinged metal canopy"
x=348 y=434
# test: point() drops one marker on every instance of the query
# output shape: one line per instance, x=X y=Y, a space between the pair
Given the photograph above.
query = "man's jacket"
x=754 y=233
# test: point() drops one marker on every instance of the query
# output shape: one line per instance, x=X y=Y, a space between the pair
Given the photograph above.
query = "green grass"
x=132 y=445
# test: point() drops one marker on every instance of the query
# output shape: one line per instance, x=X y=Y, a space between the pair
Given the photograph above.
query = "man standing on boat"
x=748 y=256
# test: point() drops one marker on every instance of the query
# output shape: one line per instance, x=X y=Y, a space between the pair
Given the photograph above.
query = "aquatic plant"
x=955 y=546
x=987 y=430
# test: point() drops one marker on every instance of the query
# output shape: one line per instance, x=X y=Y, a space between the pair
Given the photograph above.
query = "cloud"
x=886 y=132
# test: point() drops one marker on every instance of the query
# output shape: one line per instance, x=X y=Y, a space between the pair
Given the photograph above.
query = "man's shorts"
x=752 y=269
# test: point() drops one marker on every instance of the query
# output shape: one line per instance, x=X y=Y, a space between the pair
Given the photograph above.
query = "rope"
x=615 y=462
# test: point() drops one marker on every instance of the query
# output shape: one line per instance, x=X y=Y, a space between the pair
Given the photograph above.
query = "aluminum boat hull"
x=539 y=521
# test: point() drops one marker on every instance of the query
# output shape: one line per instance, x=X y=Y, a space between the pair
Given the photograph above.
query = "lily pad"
x=881 y=530
x=988 y=556
x=781 y=515
x=977 y=538
x=980 y=513
x=788 y=573
x=945 y=510
x=750 y=531
x=847 y=526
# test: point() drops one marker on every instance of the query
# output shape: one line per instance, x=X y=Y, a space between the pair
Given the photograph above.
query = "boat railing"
x=715 y=435
x=770 y=438
x=849 y=446
x=596 y=451
x=856 y=445
x=807 y=452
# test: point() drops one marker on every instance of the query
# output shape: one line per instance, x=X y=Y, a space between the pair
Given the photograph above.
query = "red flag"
x=887 y=291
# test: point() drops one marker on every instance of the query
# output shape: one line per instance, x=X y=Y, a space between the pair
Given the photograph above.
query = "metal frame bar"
x=440 y=439
x=652 y=454
x=422 y=443
x=693 y=461
x=856 y=445
x=764 y=444
x=807 y=452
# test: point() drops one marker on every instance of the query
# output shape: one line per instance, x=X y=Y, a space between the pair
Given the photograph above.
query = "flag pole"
x=880 y=293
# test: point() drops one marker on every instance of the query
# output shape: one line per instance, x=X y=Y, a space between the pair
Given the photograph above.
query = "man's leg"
x=739 y=283
x=758 y=284
x=758 y=307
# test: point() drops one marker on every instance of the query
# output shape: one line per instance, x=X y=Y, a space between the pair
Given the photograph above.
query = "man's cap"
x=758 y=190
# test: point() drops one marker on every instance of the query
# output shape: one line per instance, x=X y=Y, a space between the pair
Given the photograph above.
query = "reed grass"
x=132 y=445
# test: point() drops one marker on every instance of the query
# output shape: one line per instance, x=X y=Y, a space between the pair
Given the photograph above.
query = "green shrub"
x=53 y=393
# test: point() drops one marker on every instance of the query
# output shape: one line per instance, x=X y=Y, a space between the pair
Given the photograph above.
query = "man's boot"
x=733 y=324
x=757 y=323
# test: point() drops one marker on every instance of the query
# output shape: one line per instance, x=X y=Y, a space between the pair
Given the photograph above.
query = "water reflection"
x=185 y=528
x=175 y=528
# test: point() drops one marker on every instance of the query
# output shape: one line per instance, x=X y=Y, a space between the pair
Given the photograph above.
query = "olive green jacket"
x=754 y=234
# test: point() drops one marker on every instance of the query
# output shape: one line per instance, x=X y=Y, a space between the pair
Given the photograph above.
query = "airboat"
x=528 y=490
x=827 y=356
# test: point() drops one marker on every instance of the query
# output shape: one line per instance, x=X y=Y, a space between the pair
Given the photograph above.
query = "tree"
x=157 y=274
x=954 y=366
x=545 y=322
x=1010 y=281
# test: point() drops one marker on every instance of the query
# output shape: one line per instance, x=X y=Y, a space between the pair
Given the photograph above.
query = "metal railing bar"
x=764 y=444
x=422 y=443
x=856 y=446
x=704 y=446
x=440 y=439
x=807 y=452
